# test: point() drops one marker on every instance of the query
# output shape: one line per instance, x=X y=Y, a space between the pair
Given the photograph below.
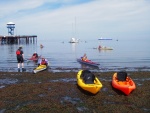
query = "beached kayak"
x=91 y=85
x=40 y=68
x=88 y=62
x=123 y=82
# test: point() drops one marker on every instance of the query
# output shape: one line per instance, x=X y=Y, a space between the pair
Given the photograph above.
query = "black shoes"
x=18 y=69
x=23 y=69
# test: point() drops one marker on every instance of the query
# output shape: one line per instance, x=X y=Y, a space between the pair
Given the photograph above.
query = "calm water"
x=129 y=55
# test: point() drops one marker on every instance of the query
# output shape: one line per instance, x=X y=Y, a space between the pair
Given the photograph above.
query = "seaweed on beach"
x=58 y=92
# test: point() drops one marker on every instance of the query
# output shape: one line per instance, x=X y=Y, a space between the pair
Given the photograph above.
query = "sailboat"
x=74 y=40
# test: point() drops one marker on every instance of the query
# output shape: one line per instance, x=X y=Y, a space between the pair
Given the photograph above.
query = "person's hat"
x=20 y=47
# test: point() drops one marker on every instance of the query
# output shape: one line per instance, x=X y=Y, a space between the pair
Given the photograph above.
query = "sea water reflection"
x=63 y=56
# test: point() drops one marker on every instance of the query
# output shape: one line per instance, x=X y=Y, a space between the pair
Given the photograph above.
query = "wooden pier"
x=18 y=39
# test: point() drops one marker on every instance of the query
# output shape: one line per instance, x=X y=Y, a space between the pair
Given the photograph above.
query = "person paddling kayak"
x=84 y=58
x=43 y=61
x=35 y=55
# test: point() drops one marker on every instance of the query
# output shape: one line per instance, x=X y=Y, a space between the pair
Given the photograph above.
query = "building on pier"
x=16 y=39
x=11 y=27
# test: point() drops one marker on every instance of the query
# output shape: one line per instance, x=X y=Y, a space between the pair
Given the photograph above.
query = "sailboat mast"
x=75 y=27
x=72 y=30
x=73 y=39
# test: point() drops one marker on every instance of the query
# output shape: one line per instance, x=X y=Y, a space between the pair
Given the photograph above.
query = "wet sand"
x=47 y=92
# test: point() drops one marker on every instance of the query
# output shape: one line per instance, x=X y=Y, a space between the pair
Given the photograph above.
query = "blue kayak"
x=88 y=62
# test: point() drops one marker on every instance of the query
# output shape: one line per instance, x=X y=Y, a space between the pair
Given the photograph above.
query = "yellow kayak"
x=92 y=87
x=40 y=68
x=105 y=48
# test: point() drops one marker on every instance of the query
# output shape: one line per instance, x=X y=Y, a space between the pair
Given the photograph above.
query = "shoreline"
x=58 y=92
x=73 y=69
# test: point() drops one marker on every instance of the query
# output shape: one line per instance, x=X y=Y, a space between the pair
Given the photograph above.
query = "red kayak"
x=88 y=62
x=34 y=59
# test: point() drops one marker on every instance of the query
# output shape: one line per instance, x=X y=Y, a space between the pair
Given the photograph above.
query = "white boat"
x=105 y=38
x=73 y=40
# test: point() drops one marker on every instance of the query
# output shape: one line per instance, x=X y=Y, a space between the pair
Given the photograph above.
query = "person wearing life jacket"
x=84 y=58
x=99 y=47
x=44 y=61
x=41 y=46
x=20 y=58
x=35 y=55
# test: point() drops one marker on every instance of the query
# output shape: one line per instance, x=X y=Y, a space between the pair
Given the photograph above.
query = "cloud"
x=94 y=18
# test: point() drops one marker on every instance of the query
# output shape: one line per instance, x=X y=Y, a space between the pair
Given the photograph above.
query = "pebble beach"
x=49 y=92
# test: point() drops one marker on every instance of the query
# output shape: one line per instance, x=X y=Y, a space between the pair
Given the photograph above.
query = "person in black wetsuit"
x=20 y=58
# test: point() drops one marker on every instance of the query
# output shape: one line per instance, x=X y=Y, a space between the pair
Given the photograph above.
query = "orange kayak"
x=126 y=86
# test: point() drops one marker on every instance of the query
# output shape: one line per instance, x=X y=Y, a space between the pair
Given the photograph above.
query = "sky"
x=82 y=19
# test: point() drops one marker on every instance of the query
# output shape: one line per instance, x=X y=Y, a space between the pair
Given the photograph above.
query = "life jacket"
x=18 y=52
x=35 y=54
x=43 y=62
